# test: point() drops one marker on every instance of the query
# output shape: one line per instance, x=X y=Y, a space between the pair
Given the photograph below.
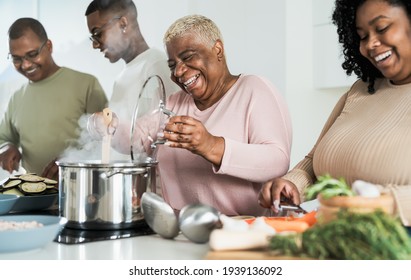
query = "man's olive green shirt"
x=42 y=117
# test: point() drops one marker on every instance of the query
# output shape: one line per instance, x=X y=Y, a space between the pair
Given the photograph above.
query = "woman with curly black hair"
x=368 y=134
x=344 y=17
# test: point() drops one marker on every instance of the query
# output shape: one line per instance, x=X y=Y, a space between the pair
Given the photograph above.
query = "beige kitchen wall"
x=272 y=38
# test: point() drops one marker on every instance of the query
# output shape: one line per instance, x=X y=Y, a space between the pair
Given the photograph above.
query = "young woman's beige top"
x=367 y=137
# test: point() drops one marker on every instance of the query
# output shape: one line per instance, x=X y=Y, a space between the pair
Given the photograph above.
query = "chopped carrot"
x=309 y=218
x=290 y=218
x=298 y=224
x=291 y=225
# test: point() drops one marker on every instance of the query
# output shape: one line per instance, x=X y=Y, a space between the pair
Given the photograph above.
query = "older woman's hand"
x=272 y=191
x=190 y=134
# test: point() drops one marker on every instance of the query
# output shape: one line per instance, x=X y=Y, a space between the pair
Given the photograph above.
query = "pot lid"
x=98 y=164
x=148 y=118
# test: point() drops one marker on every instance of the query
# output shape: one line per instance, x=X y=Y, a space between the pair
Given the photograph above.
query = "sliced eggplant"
x=33 y=187
x=15 y=177
x=28 y=184
x=14 y=191
x=51 y=191
x=50 y=181
x=11 y=184
x=31 y=178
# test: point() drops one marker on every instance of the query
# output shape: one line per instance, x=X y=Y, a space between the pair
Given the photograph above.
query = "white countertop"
x=148 y=247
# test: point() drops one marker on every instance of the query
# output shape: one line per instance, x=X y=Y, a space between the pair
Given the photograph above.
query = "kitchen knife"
x=306 y=207
x=311 y=205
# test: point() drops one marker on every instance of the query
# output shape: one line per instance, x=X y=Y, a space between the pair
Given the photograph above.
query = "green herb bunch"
x=352 y=236
x=328 y=187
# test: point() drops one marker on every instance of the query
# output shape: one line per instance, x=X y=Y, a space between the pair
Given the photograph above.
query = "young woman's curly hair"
x=344 y=17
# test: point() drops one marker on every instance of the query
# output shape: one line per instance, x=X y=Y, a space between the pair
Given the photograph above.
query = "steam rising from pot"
x=149 y=116
x=85 y=148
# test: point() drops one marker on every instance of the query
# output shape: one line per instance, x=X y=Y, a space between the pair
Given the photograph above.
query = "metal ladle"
x=196 y=222
x=159 y=215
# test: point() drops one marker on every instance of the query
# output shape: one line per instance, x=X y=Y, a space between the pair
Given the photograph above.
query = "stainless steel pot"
x=93 y=195
x=96 y=195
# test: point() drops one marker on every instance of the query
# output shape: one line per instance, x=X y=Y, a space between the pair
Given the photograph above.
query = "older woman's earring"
x=124 y=30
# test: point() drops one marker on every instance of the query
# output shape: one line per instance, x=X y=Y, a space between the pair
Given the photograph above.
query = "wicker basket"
x=329 y=207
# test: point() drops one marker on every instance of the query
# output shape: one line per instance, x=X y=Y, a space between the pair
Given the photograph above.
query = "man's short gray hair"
x=200 y=25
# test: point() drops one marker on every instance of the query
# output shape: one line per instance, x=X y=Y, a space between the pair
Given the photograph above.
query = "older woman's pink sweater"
x=253 y=119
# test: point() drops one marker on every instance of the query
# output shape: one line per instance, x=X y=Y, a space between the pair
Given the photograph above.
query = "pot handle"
x=125 y=171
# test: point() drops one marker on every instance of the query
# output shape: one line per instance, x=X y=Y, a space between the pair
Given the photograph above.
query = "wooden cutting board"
x=247 y=255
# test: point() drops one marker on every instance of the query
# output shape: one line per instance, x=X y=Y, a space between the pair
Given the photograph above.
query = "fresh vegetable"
x=33 y=188
x=328 y=187
x=28 y=184
x=11 y=184
x=224 y=240
x=296 y=224
x=365 y=189
x=309 y=218
x=352 y=236
x=284 y=225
